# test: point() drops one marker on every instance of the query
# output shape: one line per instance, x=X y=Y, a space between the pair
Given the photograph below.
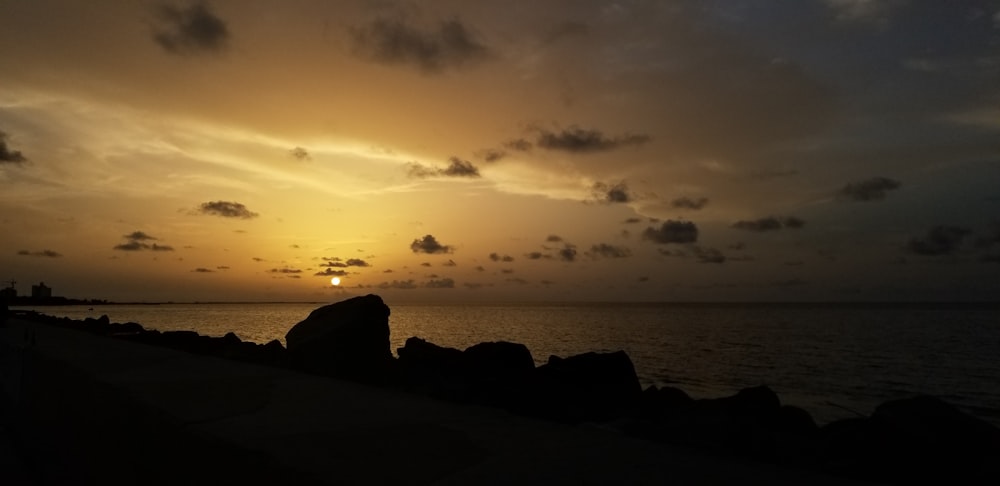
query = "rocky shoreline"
x=918 y=440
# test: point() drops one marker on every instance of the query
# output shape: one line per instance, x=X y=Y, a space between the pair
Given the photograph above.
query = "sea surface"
x=835 y=361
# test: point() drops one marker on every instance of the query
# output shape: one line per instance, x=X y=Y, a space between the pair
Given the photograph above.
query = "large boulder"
x=347 y=339
x=915 y=440
x=586 y=387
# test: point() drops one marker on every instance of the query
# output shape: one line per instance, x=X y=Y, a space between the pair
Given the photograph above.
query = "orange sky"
x=564 y=150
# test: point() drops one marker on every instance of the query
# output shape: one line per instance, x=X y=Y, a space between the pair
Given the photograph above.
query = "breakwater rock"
x=919 y=440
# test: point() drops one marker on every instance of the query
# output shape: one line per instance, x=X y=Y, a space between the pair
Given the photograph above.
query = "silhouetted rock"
x=916 y=440
x=348 y=339
x=668 y=401
x=584 y=387
x=926 y=438
x=430 y=369
x=499 y=361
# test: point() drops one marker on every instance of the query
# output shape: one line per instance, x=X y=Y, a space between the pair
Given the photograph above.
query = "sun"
x=335 y=281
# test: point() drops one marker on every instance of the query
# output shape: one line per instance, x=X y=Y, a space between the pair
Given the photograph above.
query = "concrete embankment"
x=82 y=409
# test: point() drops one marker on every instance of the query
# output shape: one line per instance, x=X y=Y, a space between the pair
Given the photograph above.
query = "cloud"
x=473 y=285
x=226 y=209
x=285 y=270
x=444 y=283
x=672 y=232
x=873 y=189
x=708 y=255
x=137 y=242
x=398 y=284
x=40 y=253
x=606 y=250
x=567 y=253
x=553 y=238
x=939 y=240
x=299 y=153
x=329 y=272
x=429 y=244
x=493 y=155
x=426 y=264
x=617 y=193
x=222 y=267
x=450 y=263
x=632 y=221
x=336 y=262
x=498 y=258
x=203 y=270
x=8 y=155
x=688 y=203
x=456 y=168
x=535 y=255
x=769 y=223
x=394 y=42
x=192 y=30
x=518 y=145
x=580 y=140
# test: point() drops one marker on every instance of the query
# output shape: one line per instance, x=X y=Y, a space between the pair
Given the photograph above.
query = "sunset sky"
x=675 y=150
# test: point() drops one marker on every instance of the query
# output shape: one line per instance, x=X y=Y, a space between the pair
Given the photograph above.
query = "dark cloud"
x=567 y=253
x=357 y=262
x=632 y=221
x=612 y=193
x=8 y=155
x=518 y=281
x=138 y=236
x=329 y=272
x=535 y=255
x=227 y=209
x=258 y=259
x=553 y=238
x=518 y=145
x=672 y=232
x=444 y=283
x=580 y=140
x=299 y=153
x=480 y=268
x=507 y=271
x=285 y=270
x=873 y=189
x=769 y=223
x=456 y=168
x=429 y=244
x=605 y=250
x=191 y=30
x=426 y=264
x=501 y=258
x=939 y=240
x=398 y=284
x=473 y=285
x=450 y=263
x=222 y=267
x=40 y=253
x=394 y=42
x=708 y=255
x=688 y=203
x=203 y=270
x=137 y=242
x=493 y=155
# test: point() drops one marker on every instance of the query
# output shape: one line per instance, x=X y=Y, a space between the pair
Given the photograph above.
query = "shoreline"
x=644 y=427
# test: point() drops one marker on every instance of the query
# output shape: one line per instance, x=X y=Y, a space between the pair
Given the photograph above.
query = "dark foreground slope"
x=84 y=409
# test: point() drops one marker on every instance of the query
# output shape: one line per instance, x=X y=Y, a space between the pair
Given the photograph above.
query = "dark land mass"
x=921 y=440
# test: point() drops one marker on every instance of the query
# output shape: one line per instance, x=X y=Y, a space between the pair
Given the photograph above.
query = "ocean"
x=835 y=361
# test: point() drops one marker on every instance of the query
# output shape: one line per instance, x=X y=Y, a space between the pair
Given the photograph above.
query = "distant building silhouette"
x=41 y=291
x=9 y=294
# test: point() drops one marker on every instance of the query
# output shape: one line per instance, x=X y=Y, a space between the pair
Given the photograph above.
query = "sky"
x=455 y=151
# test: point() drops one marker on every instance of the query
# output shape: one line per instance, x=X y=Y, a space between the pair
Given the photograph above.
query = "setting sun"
x=335 y=281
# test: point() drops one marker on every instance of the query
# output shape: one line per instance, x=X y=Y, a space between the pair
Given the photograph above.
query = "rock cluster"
x=918 y=440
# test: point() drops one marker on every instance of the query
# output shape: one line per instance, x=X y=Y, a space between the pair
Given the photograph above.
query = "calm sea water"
x=825 y=358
